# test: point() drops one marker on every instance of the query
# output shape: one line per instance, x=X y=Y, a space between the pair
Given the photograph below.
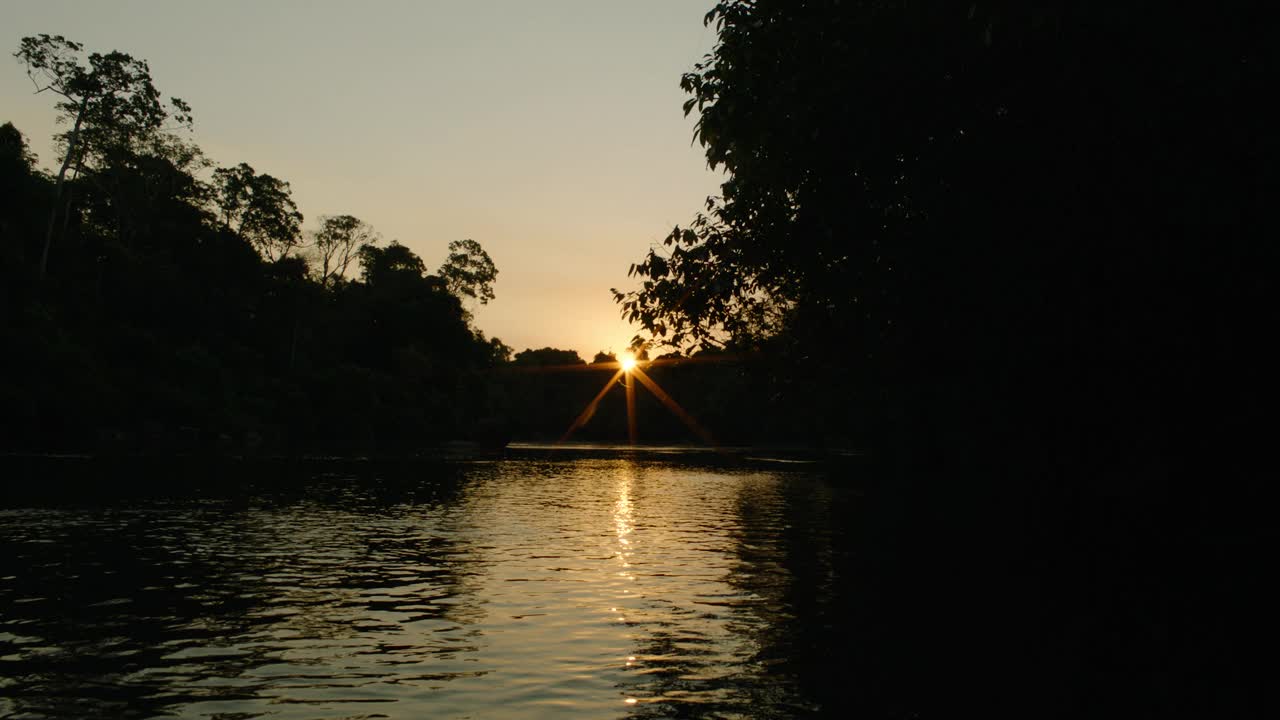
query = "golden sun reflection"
x=624 y=523
x=630 y=386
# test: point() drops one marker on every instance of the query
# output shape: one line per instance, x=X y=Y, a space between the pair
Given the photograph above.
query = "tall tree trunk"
x=293 y=343
x=72 y=146
x=71 y=198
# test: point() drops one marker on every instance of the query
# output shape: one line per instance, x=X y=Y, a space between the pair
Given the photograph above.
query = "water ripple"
x=589 y=588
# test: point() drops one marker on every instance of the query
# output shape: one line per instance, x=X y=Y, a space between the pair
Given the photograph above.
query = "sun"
x=628 y=375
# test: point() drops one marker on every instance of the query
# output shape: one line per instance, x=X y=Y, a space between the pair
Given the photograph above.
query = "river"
x=588 y=583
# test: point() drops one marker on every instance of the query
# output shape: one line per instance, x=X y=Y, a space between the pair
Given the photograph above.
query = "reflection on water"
x=591 y=587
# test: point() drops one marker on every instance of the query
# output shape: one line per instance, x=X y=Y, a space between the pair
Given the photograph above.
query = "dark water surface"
x=594 y=585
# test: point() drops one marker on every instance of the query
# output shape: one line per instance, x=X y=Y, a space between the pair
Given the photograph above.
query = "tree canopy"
x=469 y=271
x=922 y=191
x=338 y=242
x=177 y=313
x=1021 y=252
x=111 y=104
x=379 y=266
x=548 y=356
x=258 y=207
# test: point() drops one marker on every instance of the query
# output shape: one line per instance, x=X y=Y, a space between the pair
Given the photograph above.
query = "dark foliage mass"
x=152 y=307
x=1045 y=223
x=1023 y=251
x=987 y=195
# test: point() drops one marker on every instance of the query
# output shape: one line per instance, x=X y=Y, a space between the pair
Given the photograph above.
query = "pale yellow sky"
x=550 y=132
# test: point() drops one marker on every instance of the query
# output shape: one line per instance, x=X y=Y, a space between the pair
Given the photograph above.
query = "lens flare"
x=629 y=372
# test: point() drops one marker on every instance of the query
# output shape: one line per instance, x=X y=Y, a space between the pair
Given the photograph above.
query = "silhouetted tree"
x=338 y=242
x=14 y=152
x=1026 y=242
x=603 y=357
x=108 y=103
x=23 y=195
x=547 y=356
x=381 y=265
x=499 y=352
x=259 y=208
x=17 y=170
x=181 y=320
x=932 y=183
x=468 y=271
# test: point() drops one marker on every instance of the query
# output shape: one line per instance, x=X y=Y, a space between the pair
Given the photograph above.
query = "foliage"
x=469 y=271
x=338 y=242
x=258 y=207
x=23 y=197
x=14 y=151
x=499 y=352
x=112 y=105
x=176 y=316
x=949 y=200
x=1022 y=252
x=380 y=266
x=547 y=356
x=112 y=100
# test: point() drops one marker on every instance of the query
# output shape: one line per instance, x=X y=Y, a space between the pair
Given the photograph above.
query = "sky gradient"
x=549 y=132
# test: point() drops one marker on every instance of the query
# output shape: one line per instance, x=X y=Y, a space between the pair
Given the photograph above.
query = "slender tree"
x=338 y=243
x=111 y=100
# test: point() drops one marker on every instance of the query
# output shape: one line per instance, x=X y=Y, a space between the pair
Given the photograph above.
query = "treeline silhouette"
x=172 y=333
x=155 y=303
x=152 y=307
